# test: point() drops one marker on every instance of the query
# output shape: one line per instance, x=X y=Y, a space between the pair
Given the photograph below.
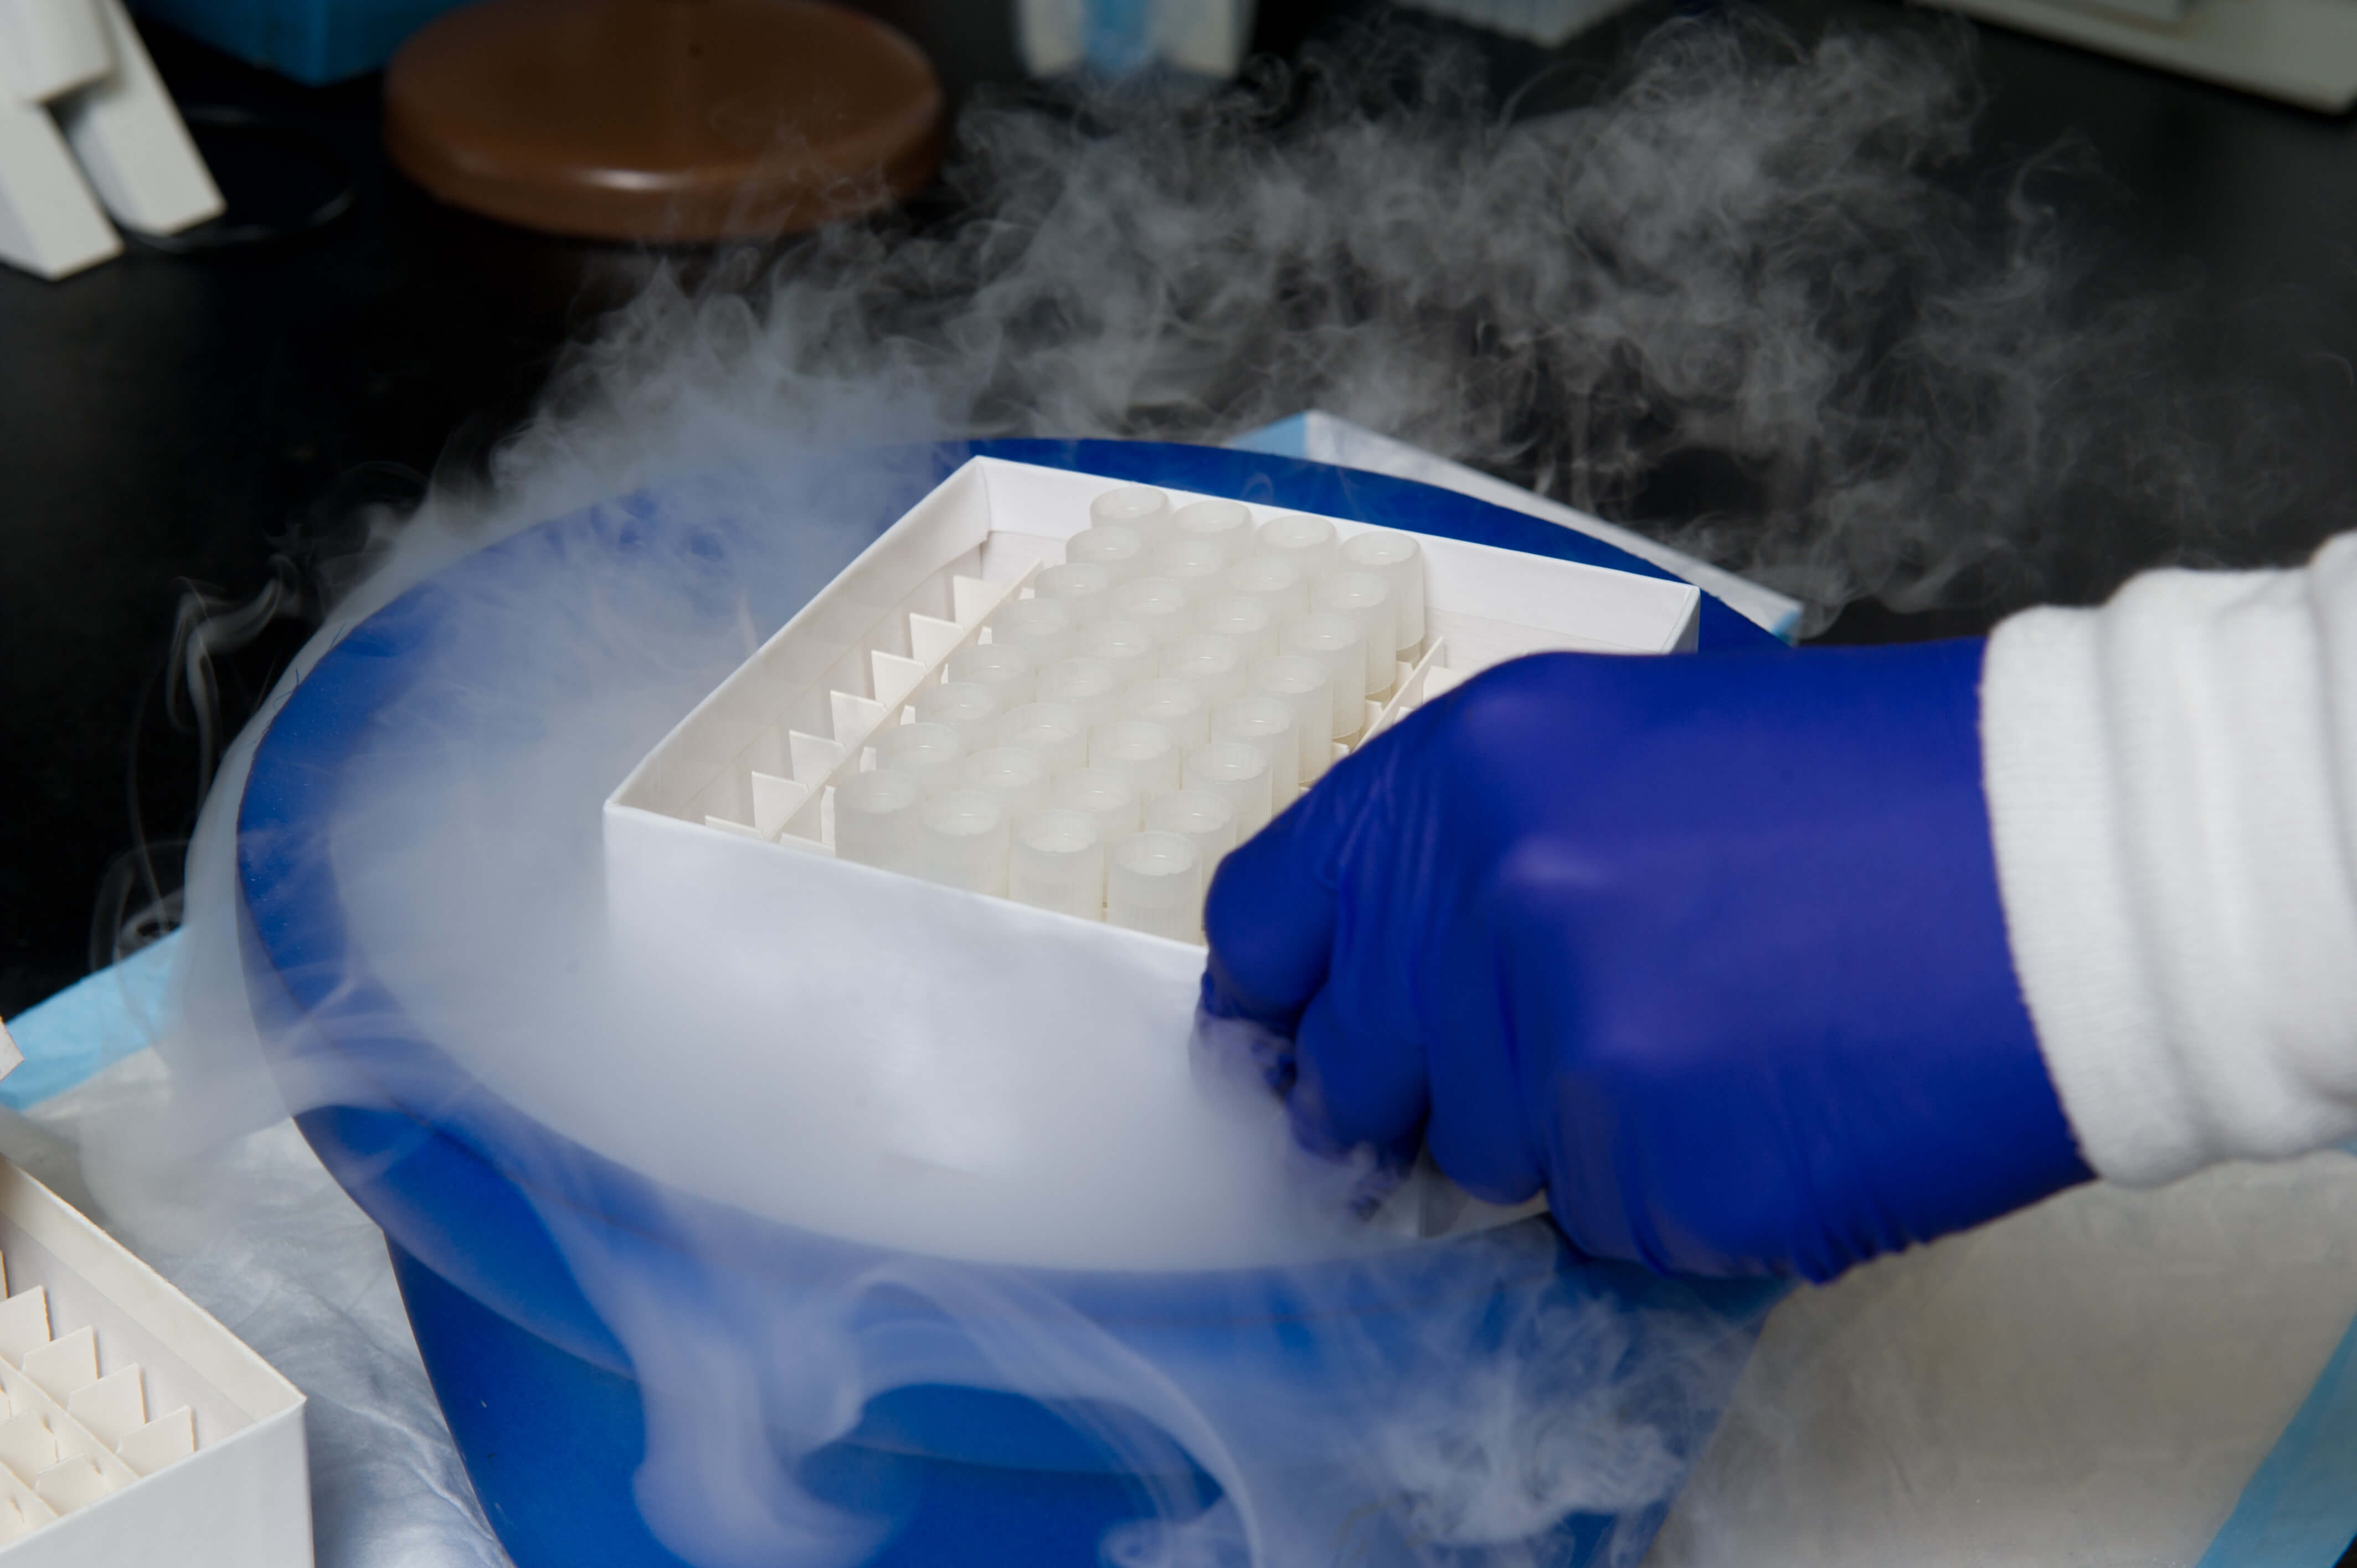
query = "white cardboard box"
x=139 y=1430
x=716 y=845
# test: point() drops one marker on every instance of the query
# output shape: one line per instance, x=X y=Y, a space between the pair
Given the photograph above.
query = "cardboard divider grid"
x=70 y=1436
x=799 y=809
x=753 y=769
x=133 y=1427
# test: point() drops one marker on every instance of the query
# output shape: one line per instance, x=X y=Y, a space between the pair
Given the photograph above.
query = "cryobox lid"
x=648 y=120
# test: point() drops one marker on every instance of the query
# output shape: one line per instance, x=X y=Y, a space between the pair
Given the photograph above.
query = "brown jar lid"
x=672 y=121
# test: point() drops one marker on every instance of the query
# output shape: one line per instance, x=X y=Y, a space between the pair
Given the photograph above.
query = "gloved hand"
x=1709 y=947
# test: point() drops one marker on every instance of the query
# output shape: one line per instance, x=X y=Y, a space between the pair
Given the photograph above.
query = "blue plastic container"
x=541 y=1394
x=313 y=41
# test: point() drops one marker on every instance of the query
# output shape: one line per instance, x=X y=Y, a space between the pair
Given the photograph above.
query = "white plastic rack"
x=793 y=803
x=133 y=1427
x=763 y=757
x=70 y=1435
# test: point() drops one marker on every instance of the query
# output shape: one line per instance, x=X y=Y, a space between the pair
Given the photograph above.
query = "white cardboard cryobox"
x=137 y=1429
x=718 y=845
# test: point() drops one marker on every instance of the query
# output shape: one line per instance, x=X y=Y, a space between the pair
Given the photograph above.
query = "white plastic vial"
x=1154 y=883
x=1267 y=725
x=931 y=754
x=1043 y=630
x=1139 y=507
x=1303 y=685
x=1164 y=607
x=876 y=818
x=1213 y=665
x=966 y=706
x=1399 y=558
x=1126 y=648
x=964 y=841
x=1197 y=561
x=1055 y=860
x=1003 y=669
x=1236 y=773
x=1055 y=732
x=1198 y=816
x=1083 y=587
x=1176 y=705
x=1108 y=795
x=1366 y=598
x=1088 y=686
x=1309 y=543
x=1278 y=583
x=1014 y=776
x=1140 y=748
x=1120 y=551
x=1246 y=620
x=1336 y=642
x=1229 y=522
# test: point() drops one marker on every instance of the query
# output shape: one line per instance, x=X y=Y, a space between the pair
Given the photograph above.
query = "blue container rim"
x=414 y=1160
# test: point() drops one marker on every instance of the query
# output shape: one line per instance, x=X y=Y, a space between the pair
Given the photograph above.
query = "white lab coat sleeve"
x=2172 y=790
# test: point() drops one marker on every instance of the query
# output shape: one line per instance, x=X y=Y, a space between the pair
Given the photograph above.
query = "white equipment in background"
x=2301 y=51
x=1545 y=22
x=87 y=130
x=1115 y=37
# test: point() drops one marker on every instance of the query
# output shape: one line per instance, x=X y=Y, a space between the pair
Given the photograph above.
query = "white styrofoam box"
x=2301 y=51
x=87 y=128
x=130 y=143
x=50 y=222
x=49 y=47
x=756 y=757
x=716 y=845
x=133 y=1427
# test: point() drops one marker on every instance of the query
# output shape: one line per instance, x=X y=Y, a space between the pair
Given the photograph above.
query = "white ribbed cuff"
x=2062 y=868
x=2175 y=841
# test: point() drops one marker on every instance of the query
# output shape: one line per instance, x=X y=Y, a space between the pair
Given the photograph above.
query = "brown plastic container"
x=669 y=120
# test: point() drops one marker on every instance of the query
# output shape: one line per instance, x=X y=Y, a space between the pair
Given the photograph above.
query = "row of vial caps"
x=1157 y=697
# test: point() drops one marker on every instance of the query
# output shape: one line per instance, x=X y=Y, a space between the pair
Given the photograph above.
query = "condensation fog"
x=1752 y=299
x=1742 y=276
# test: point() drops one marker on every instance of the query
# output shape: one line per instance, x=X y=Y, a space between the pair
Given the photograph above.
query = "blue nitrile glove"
x=1707 y=948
